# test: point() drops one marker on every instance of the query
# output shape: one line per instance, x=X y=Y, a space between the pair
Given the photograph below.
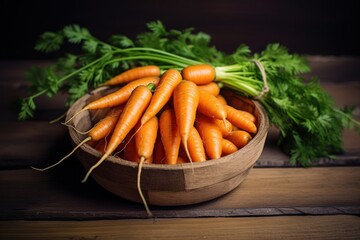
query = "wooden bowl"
x=171 y=185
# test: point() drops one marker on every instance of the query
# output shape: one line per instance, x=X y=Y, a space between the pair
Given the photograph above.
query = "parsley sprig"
x=310 y=125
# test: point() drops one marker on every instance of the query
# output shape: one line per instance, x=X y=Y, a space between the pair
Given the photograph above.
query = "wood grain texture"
x=58 y=194
x=287 y=227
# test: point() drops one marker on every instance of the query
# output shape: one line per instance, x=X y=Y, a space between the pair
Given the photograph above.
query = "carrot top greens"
x=310 y=125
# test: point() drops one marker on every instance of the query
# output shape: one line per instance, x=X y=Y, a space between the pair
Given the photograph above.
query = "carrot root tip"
x=61 y=160
x=58 y=118
x=73 y=116
x=141 y=162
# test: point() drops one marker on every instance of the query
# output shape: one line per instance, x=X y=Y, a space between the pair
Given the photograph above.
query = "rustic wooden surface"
x=275 y=201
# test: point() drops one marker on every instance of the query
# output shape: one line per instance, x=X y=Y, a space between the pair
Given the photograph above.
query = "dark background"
x=306 y=26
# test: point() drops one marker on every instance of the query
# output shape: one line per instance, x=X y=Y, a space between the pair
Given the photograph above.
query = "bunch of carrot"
x=180 y=113
x=169 y=117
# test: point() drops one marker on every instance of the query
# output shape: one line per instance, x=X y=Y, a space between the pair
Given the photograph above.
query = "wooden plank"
x=58 y=194
x=32 y=143
x=285 y=227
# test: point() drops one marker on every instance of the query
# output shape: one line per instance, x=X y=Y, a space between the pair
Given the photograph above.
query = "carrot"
x=196 y=146
x=239 y=137
x=99 y=131
x=133 y=74
x=118 y=97
x=131 y=114
x=222 y=99
x=237 y=102
x=185 y=100
x=210 y=106
x=240 y=119
x=199 y=74
x=228 y=147
x=212 y=88
x=145 y=139
x=211 y=136
x=170 y=136
x=244 y=112
x=225 y=126
x=163 y=92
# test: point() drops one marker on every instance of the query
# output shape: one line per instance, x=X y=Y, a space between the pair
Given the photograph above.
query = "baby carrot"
x=185 y=100
x=240 y=119
x=222 y=99
x=228 y=147
x=131 y=114
x=133 y=74
x=163 y=92
x=239 y=137
x=212 y=88
x=225 y=126
x=170 y=136
x=210 y=106
x=196 y=146
x=211 y=136
x=199 y=74
x=145 y=138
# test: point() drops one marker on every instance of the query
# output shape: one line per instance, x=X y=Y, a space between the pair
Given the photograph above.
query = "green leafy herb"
x=309 y=124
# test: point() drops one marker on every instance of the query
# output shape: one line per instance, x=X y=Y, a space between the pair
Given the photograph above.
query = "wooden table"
x=275 y=201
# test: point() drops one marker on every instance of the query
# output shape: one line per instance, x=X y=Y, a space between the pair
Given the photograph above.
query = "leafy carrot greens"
x=310 y=125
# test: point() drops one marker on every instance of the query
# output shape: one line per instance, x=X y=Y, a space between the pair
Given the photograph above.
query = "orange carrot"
x=210 y=106
x=212 y=88
x=163 y=92
x=211 y=136
x=196 y=146
x=245 y=113
x=225 y=126
x=170 y=136
x=239 y=137
x=185 y=100
x=118 y=97
x=131 y=114
x=222 y=99
x=122 y=95
x=99 y=131
x=145 y=139
x=199 y=74
x=228 y=147
x=240 y=119
x=133 y=74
